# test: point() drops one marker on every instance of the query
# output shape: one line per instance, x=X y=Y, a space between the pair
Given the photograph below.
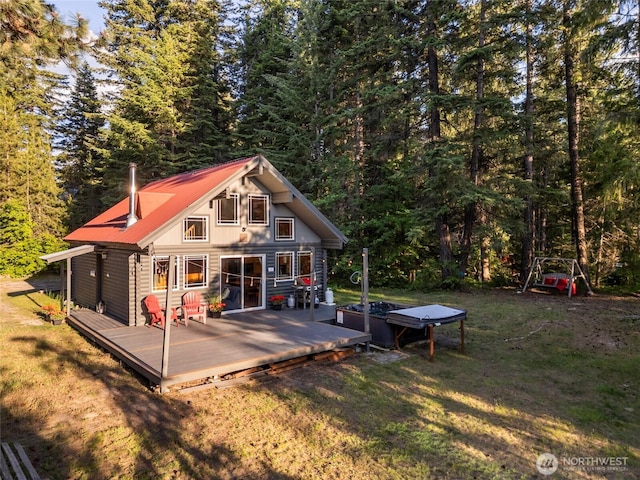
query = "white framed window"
x=258 y=209
x=228 y=209
x=195 y=268
x=284 y=265
x=196 y=229
x=284 y=229
x=304 y=264
x=160 y=273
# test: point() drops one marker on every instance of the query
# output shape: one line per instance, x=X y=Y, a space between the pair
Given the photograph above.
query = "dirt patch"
x=387 y=356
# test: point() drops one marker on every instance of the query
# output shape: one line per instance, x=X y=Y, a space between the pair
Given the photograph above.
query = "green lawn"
x=540 y=374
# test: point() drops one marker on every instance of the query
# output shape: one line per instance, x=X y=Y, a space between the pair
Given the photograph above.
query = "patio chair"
x=192 y=307
x=155 y=311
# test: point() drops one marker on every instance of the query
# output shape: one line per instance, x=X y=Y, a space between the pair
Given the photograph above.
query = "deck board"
x=229 y=344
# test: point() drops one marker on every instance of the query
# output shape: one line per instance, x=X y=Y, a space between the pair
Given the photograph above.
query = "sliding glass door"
x=242 y=281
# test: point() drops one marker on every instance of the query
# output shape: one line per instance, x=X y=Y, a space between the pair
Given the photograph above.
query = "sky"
x=88 y=9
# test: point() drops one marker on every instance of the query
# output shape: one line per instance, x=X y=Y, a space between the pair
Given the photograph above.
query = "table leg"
x=431 y=345
x=398 y=335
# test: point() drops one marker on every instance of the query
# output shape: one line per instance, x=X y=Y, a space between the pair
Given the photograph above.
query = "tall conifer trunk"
x=471 y=213
x=573 y=140
x=529 y=212
x=442 y=225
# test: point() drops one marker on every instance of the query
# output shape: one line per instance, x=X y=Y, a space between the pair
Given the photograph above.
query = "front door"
x=242 y=280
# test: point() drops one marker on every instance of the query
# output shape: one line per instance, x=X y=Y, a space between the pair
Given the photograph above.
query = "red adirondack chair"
x=155 y=311
x=192 y=307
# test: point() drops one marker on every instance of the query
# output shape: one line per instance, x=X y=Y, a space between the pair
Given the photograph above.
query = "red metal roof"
x=157 y=203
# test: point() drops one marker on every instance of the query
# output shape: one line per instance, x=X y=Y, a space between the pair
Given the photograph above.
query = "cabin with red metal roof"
x=239 y=230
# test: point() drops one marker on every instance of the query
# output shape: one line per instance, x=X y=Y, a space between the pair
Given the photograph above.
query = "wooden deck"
x=200 y=353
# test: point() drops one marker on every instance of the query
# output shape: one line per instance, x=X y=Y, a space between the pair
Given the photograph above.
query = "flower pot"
x=277 y=307
x=216 y=314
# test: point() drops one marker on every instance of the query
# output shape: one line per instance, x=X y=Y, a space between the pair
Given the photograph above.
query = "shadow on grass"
x=533 y=381
x=152 y=426
x=486 y=414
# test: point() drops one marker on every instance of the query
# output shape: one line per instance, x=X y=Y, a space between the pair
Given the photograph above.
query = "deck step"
x=14 y=463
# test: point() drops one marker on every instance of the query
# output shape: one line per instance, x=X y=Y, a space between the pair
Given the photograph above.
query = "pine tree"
x=271 y=103
x=160 y=56
x=32 y=36
x=81 y=165
x=210 y=115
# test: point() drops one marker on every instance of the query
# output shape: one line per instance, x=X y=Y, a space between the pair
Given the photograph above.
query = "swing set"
x=540 y=276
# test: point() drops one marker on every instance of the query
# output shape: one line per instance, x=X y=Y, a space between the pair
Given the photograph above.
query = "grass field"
x=541 y=374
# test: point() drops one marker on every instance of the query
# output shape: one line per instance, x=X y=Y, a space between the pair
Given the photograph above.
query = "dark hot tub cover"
x=421 y=317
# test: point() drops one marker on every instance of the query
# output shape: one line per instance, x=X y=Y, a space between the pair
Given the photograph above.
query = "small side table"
x=174 y=316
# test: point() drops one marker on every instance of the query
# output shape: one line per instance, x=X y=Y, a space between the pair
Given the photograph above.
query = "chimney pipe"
x=132 y=218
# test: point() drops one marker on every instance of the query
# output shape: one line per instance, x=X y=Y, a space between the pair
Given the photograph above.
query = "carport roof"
x=70 y=253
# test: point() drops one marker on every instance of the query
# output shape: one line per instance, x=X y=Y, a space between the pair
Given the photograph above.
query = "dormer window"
x=228 y=210
x=258 y=210
x=284 y=229
x=196 y=229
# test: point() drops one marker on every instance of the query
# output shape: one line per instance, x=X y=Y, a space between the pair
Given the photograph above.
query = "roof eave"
x=340 y=239
x=69 y=253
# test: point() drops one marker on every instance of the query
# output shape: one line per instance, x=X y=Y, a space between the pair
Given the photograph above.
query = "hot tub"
x=382 y=333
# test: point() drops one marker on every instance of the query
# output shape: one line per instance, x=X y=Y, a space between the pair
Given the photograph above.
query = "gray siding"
x=286 y=288
x=126 y=275
x=84 y=280
x=140 y=284
x=142 y=287
x=269 y=251
x=116 y=284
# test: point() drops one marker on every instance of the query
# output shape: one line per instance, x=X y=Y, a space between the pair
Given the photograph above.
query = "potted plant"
x=277 y=301
x=216 y=305
x=54 y=314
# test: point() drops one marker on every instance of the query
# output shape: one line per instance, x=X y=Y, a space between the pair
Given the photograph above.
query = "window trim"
x=255 y=196
x=236 y=198
x=205 y=228
x=299 y=254
x=205 y=267
x=282 y=220
x=176 y=285
x=278 y=276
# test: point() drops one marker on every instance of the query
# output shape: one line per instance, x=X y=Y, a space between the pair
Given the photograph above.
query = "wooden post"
x=312 y=294
x=312 y=285
x=167 y=322
x=69 y=273
x=571 y=278
x=62 y=284
x=365 y=290
x=431 y=345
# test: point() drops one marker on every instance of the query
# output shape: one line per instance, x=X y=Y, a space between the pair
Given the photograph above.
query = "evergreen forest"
x=455 y=139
